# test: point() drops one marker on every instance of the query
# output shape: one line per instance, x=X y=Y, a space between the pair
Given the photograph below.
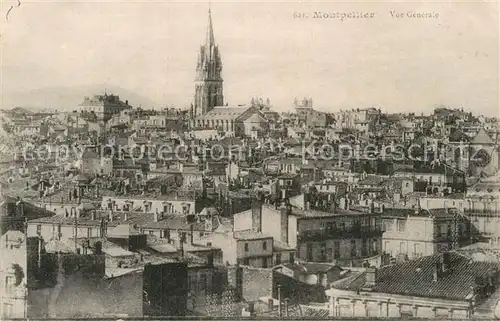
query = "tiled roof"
x=279 y=246
x=314 y=213
x=229 y=113
x=371 y=180
x=142 y=220
x=250 y=235
x=415 y=278
x=311 y=268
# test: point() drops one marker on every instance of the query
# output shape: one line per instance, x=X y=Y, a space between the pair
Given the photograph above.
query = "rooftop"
x=136 y=219
x=415 y=278
x=249 y=235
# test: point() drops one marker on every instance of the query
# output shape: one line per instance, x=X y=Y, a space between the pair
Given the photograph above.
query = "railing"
x=336 y=233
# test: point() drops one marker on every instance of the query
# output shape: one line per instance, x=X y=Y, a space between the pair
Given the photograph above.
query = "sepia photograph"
x=249 y=159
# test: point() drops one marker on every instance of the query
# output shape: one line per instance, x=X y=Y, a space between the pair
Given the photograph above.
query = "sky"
x=151 y=48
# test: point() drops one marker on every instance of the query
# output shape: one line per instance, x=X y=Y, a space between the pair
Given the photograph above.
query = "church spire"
x=210 y=40
x=208 y=87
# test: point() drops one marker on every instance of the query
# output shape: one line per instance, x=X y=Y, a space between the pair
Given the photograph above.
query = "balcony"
x=336 y=233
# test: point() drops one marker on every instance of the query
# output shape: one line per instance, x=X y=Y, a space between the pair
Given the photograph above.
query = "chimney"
x=417 y=207
x=270 y=304
x=445 y=260
x=435 y=272
x=279 y=300
x=40 y=241
x=371 y=277
x=181 y=249
x=210 y=260
x=192 y=234
x=256 y=215
x=251 y=308
x=284 y=224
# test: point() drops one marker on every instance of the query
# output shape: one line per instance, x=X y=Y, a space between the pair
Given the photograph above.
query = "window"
x=336 y=250
x=402 y=248
x=39 y=229
x=89 y=232
x=292 y=257
x=401 y=225
x=278 y=258
x=246 y=247
x=443 y=230
x=9 y=281
x=203 y=282
x=374 y=247
x=406 y=311
x=264 y=245
x=354 y=251
x=310 y=252
x=364 y=248
x=246 y=262
x=7 y=308
x=151 y=232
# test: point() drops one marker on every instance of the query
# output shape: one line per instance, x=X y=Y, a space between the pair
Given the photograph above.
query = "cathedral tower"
x=208 y=86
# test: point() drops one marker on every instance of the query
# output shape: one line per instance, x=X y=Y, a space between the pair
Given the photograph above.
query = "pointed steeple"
x=210 y=40
x=208 y=87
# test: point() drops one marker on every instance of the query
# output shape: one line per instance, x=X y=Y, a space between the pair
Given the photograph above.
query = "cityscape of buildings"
x=113 y=210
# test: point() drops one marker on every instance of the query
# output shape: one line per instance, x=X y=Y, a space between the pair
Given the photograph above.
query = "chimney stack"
x=371 y=276
x=256 y=215
x=445 y=259
x=417 y=207
x=284 y=224
x=192 y=234
x=286 y=307
x=270 y=304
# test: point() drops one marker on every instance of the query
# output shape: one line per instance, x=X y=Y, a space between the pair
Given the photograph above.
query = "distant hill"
x=68 y=98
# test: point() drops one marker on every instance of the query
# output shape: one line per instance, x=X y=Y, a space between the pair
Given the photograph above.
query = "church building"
x=208 y=110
